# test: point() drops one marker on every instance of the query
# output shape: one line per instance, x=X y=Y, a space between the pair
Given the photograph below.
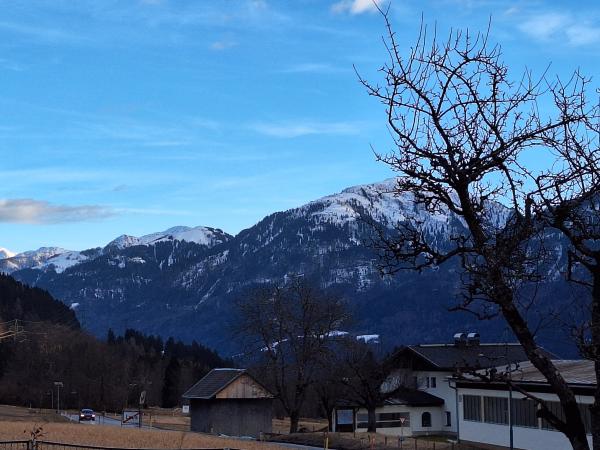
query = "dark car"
x=87 y=414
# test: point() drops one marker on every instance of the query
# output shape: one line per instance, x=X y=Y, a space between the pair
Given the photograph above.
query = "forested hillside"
x=46 y=344
x=18 y=301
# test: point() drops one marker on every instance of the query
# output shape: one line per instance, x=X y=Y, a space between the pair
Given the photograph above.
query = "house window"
x=426 y=420
x=555 y=409
x=495 y=410
x=433 y=382
x=427 y=382
x=472 y=407
x=524 y=413
x=448 y=419
x=586 y=416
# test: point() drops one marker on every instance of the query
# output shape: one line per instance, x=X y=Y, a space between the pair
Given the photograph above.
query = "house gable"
x=243 y=386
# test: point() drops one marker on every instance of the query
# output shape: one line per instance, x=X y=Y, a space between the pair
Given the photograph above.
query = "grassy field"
x=108 y=436
x=16 y=423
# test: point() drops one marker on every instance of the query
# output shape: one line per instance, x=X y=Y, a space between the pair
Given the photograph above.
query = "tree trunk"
x=574 y=429
x=294 y=420
x=595 y=326
x=372 y=421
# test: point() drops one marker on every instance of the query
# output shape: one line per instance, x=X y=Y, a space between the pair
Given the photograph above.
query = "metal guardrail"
x=15 y=445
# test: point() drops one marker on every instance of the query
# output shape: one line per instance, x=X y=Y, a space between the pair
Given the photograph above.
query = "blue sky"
x=134 y=116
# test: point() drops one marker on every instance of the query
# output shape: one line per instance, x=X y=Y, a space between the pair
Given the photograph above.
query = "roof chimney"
x=460 y=339
x=473 y=339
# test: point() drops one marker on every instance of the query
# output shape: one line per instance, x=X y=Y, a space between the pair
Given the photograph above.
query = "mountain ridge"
x=181 y=288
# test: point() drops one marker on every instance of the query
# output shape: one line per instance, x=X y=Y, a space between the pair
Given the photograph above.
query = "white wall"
x=415 y=420
x=527 y=438
x=443 y=391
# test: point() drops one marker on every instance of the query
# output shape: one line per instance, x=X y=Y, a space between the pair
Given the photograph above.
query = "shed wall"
x=233 y=417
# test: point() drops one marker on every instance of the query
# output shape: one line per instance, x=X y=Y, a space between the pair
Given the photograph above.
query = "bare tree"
x=367 y=376
x=462 y=130
x=329 y=388
x=290 y=327
x=569 y=201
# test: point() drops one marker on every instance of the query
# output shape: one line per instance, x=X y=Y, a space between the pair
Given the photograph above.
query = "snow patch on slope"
x=63 y=261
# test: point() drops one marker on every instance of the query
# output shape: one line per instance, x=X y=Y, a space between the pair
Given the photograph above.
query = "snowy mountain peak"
x=30 y=259
x=206 y=236
x=5 y=253
x=124 y=241
x=377 y=200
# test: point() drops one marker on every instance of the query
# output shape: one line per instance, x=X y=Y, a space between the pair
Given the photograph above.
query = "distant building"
x=484 y=407
x=428 y=405
x=230 y=402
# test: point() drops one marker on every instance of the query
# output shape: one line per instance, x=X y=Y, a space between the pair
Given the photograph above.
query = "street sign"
x=131 y=418
x=143 y=398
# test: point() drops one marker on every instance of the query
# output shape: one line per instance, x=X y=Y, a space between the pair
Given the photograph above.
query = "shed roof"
x=449 y=357
x=213 y=382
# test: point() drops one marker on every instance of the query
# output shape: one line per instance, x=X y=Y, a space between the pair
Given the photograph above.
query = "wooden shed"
x=230 y=402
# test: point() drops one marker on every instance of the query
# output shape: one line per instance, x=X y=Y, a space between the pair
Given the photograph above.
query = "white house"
x=429 y=404
x=488 y=411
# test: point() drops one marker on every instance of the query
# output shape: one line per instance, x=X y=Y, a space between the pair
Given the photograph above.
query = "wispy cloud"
x=28 y=210
x=40 y=32
x=558 y=26
x=224 y=44
x=356 y=6
x=303 y=128
x=11 y=65
x=309 y=67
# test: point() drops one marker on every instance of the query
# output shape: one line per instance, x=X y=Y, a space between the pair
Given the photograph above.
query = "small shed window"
x=426 y=419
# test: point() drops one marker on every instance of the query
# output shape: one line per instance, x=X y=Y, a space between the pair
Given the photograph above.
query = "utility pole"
x=58 y=385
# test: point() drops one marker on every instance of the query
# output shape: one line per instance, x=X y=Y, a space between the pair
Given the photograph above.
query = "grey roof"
x=575 y=372
x=414 y=398
x=214 y=382
x=479 y=356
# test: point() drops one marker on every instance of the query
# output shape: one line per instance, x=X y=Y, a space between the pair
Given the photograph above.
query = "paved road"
x=100 y=420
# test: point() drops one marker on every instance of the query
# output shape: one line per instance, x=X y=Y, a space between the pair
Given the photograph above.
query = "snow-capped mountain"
x=184 y=281
x=32 y=258
x=206 y=236
x=5 y=253
x=58 y=259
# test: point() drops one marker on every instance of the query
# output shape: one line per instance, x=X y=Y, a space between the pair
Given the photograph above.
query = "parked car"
x=87 y=414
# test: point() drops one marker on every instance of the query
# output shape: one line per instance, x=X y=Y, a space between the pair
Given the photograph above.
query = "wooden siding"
x=243 y=387
x=233 y=417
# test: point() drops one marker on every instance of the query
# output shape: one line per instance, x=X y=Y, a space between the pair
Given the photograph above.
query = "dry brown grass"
x=20 y=414
x=110 y=436
x=282 y=426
